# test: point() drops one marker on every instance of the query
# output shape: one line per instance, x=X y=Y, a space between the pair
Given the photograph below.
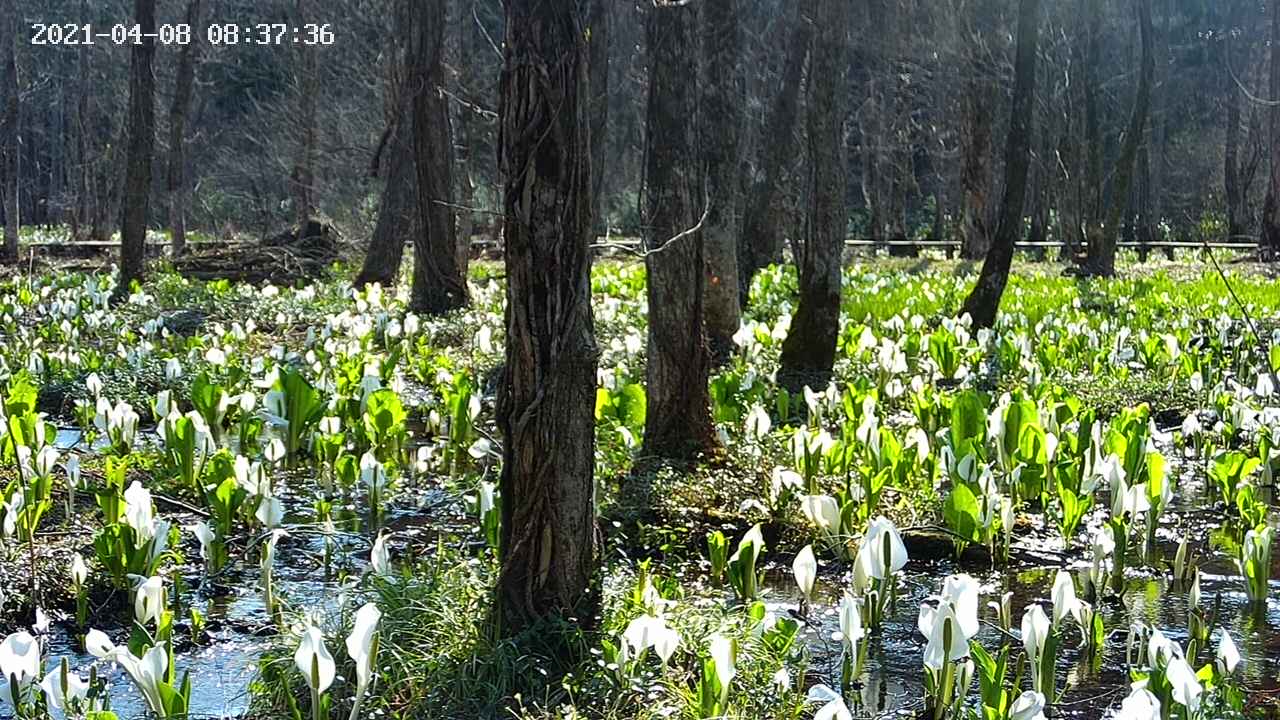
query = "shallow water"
x=238 y=629
x=892 y=683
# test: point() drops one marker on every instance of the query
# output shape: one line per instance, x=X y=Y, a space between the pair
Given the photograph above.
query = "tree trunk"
x=177 y=176
x=547 y=399
x=1270 y=241
x=1231 y=165
x=439 y=284
x=984 y=301
x=1092 y=192
x=761 y=241
x=1102 y=257
x=599 y=37
x=10 y=146
x=398 y=216
x=304 y=169
x=467 y=137
x=141 y=149
x=808 y=353
x=978 y=104
x=721 y=120
x=678 y=418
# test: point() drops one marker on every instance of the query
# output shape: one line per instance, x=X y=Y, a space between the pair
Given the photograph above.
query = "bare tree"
x=721 y=121
x=978 y=104
x=678 y=418
x=141 y=150
x=599 y=38
x=1102 y=254
x=983 y=303
x=548 y=544
x=439 y=283
x=10 y=146
x=303 y=179
x=177 y=176
x=398 y=216
x=761 y=239
x=808 y=353
x=1270 y=245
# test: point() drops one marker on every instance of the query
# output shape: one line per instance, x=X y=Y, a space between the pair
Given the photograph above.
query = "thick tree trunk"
x=984 y=301
x=304 y=169
x=808 y=353
x=398 y=215
x=721 y=119
x=761 y=241
x=1270 y=242
x=1102 y=256
x=399 y=219
x=678 y=418
x=141 y=149
x=10 y=147
x=599 y=37
x=177 y=177
x=546 y=403
x=439 y=283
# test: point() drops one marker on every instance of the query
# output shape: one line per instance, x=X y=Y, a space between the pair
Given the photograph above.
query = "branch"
x=664 y=246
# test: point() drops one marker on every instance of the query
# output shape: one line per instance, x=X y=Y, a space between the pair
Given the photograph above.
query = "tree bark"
x=439 y=283
x=398 y=216
x=761 y=240
x=678 y=417
x=546 y=403
x=983 y=303
x=1270 y=241
x=177 y=175
x=10 y=145
x=721 y=119
x=1102 y=256
x=141 y=150
x=467 y=135
x=1092 y=193
x=304 y=172
x=1231 y=161
x=808 y=353
x=978 y=104
x=599 y=37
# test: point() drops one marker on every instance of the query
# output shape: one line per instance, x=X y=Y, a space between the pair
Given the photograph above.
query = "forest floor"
x=1164 y=342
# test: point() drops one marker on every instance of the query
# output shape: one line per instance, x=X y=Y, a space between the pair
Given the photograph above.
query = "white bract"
x=19 y=666
x=805 y=567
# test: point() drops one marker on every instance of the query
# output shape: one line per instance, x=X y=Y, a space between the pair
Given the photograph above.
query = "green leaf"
x=961 y=512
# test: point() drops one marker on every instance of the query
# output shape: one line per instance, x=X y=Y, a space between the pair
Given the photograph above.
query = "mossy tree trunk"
x=547 y=398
